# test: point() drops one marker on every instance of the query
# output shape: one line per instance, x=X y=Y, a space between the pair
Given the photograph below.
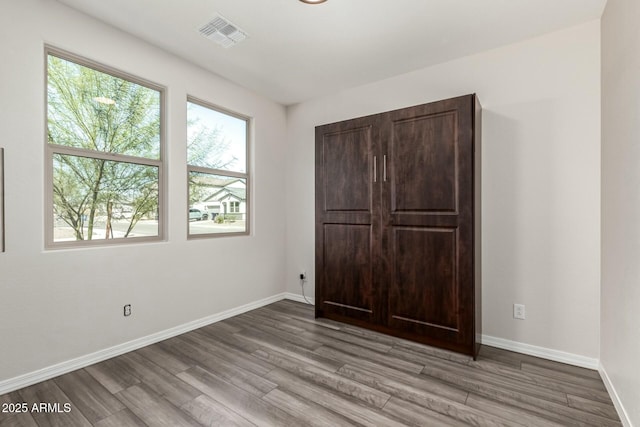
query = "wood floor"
x=278 y=366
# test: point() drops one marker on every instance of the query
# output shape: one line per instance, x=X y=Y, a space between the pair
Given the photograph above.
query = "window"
x=217 y=146
x=104 y=155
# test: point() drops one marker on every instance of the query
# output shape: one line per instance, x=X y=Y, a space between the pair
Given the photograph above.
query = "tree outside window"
x=104 y=145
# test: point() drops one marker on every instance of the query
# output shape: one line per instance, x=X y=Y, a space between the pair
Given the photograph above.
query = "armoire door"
x=398 y=221
x=347 y=228
x=428 y=223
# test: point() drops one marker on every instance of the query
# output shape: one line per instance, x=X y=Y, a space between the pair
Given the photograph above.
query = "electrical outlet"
x=518 y=311
x=127 y=310
x=303 y=275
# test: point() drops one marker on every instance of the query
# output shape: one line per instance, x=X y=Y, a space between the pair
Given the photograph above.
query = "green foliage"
x=95 y=111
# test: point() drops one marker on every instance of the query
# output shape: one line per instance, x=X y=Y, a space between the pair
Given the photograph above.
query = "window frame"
x=221 y=172
x=53 y=149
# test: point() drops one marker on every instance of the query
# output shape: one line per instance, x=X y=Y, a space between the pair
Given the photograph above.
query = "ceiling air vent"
x=223 y=32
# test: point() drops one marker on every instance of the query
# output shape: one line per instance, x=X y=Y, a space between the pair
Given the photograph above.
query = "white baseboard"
x=545 y=353
x=299 y=298
x=622 y=413
x=53 y=371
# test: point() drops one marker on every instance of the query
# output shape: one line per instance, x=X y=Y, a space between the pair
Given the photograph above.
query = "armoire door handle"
x=375 y=169
x=384 y=168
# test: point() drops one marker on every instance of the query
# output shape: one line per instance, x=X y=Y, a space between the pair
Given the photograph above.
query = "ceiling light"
x=313 y=1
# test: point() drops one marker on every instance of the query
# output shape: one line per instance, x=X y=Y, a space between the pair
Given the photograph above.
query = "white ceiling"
x=297 y=51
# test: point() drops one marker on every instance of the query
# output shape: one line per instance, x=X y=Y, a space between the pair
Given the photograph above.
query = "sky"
x=233 y=130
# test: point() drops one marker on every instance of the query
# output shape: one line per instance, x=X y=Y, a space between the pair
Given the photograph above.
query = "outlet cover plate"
x=518 y=311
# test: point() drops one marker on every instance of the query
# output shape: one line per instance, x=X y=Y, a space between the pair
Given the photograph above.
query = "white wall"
x=61 y=304
x=620 y=333
x=541 y=169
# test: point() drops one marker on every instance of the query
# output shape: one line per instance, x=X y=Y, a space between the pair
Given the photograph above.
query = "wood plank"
x=256 y=317
x=370 y=335
x=515 y=415
x=248 y=381
x=152 y=408
x=448 y=407
x=122 y=418
x=564 y=415
x=420 y=353
x=404 y=386
x=236 y=323
x=113 y=375
x=173 y=347
x=597 y=408
x=337 y=383
x=269 y=332
x=208 y=412
x=562 y=367
x=308 y=324
x=269 y=312
x=505 y=358
x=292 y=350
x=169 y=362
x=370 y=355
x=47 y=392
x=410 y=379
x=228 y=354
x=22 y=419
x=558 y=412
x=159 y=380
x=342 y=337
x=348 y=408
x=564 y=376
x=221 y=327
x=500 y=369
x=417 y=415
x=231 y=340
x=251 y=407
x=306 y=411
x=504 y=355
x=294 y=307
x=11 y=397
x=444 y=369
x=15 y=419
x=309 y=319
x=94 y=401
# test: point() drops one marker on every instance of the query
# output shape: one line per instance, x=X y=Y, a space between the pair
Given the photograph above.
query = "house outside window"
x=104 y=147
x=217 y=157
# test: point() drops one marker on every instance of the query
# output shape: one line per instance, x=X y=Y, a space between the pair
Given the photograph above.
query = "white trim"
x=53 y=371
x=545 y=353
x=622 y=413
x=299 y=298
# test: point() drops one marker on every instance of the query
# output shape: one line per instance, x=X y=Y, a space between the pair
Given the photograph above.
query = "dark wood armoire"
x=398 y=223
